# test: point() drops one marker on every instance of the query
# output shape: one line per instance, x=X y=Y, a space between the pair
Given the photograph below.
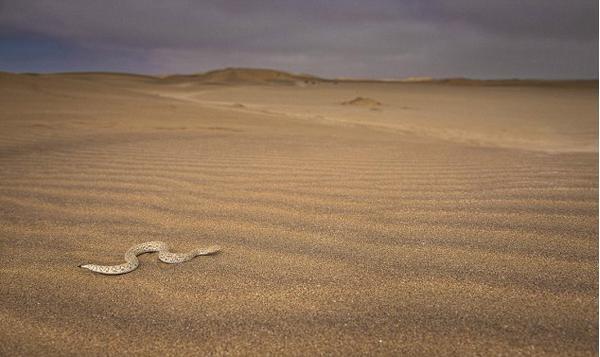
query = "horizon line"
x=407 y=79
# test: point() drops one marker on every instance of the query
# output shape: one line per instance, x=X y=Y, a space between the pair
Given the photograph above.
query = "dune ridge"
x=245 y=75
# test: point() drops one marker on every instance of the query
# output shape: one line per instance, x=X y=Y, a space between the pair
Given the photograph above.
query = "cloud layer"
x=386 y=38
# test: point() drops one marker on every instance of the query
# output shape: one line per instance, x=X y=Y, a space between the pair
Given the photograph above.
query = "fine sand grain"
x=458 y=219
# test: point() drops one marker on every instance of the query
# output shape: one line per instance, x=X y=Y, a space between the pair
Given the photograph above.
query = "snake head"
x=213 y=249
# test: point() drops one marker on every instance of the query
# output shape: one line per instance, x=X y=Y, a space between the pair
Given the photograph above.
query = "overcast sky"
x=332 y=38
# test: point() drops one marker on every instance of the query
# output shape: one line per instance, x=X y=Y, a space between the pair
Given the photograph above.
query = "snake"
x=164 y=255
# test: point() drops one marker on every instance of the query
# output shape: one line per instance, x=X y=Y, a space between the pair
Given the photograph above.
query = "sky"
x=552 y=39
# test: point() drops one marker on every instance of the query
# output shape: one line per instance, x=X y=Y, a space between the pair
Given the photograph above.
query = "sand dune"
x=362 y=102
x=245 y=76
x=458 y=220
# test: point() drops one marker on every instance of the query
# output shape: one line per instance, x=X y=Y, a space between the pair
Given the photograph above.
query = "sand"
x=362 y=102
x=457 y=219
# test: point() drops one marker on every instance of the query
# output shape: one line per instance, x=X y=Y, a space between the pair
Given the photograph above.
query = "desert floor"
x=428 y=218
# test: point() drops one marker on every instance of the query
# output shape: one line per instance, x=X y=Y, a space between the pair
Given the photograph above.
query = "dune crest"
x=247 y=76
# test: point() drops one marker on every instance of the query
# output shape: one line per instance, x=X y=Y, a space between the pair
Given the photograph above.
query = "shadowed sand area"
x=454 y=219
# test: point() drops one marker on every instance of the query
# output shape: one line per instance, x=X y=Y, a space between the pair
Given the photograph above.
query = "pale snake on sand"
x=132 y=262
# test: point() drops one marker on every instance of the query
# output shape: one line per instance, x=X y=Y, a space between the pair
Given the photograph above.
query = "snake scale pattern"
x=164 y=255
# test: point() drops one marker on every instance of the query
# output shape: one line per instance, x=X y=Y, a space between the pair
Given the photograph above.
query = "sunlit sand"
x=355 y=217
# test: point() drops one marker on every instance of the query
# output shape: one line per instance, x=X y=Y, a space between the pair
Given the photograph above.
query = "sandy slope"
x=448 y=220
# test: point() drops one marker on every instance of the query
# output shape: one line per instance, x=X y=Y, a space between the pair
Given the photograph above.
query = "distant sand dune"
x=245 y=76
x=362 y=102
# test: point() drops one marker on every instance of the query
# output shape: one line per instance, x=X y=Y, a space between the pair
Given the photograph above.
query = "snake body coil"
x=132 y=262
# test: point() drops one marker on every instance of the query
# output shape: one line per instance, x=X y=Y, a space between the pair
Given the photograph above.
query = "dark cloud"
x=387 y=38
x=572 y=20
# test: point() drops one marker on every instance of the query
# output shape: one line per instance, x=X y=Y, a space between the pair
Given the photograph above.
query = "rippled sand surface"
x=345 y=230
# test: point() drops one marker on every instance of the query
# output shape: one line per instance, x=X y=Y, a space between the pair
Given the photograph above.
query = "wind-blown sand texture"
x=460 y=218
